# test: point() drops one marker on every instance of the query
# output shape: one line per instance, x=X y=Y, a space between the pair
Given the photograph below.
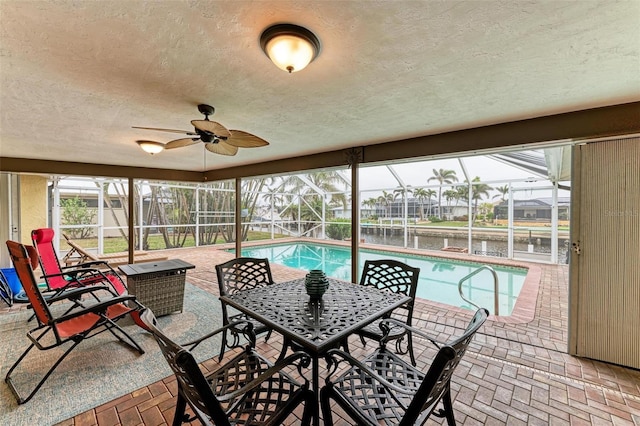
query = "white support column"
x=140 y=214
x=470 y=233
x=406 y=219
x=554 y=223
x=197 y=216
x=55 y=213
x=238 y=217
x=101 y=217
x=510 y=224
x=324 y=216
x=470 y=207
x=299 y=213
x=273 y=221
x=355 y=223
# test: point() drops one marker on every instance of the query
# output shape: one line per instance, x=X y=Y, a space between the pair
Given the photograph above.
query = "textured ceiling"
x=77 y=75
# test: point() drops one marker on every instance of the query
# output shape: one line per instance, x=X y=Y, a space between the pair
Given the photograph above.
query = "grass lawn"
x=155 y=242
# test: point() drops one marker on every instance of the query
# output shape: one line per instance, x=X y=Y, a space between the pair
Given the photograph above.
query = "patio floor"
x=513 y=373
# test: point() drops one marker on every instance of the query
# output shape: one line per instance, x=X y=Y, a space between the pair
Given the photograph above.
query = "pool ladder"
x=495 y=287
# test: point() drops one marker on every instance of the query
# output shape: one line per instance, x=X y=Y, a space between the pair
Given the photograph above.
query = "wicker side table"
x=158 y=285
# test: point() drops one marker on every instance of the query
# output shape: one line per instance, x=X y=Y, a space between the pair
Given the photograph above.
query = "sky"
x=417 y=174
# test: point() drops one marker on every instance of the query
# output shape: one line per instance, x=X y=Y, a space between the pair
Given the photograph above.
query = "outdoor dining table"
x=315 y=325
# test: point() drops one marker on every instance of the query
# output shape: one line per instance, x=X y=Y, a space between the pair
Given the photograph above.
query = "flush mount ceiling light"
x=290 y=47
x=151 y=147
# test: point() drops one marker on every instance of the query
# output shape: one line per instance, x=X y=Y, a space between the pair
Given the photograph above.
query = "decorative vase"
x=316 y=283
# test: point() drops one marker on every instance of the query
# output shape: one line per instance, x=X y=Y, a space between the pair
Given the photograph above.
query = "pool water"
x=438 y=277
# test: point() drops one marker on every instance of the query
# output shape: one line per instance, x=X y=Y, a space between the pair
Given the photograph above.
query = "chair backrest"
x=243 y=273
x=437 y=379
x=50 y=265
x=43 y=242
x=23 y=257
x=393 y=276
x=192 y=383
x=83 y=255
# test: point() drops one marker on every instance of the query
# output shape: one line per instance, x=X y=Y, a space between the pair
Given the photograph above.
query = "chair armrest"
x=87 y=265
x=73 y=273
x=246 y=329
x=305 y=361
x=333 y=362
x=98 y=308
x=385 y=329
x=74 y=292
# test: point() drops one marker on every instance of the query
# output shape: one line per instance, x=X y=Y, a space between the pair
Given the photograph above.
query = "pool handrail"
x=495 y=286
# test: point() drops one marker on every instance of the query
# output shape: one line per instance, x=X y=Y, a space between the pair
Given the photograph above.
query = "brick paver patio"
x=513 y=374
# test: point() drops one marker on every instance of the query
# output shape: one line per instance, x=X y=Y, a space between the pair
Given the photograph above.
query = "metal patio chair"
x=397 y=277
x=235 y=275
x=246 y=390
x=383 y=389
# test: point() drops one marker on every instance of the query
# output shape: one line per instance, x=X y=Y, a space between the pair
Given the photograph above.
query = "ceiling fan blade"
x=179 y=143
x=165 y=130
x=245 y=140
x=211 y=127
x=221 y=148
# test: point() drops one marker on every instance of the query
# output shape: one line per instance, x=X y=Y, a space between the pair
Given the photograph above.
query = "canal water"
x=493 y=248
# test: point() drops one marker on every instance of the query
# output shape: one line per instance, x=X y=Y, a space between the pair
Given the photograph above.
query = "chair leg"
x=448 y=406
x=181 y=407
x=266 y=338
x=131 y=343
x=310 y=409
x=364 y=342
x=223 y=345
x=345 y=344
x=410 y=348
x=326 y=407
x=9 y=382
x=283 y=353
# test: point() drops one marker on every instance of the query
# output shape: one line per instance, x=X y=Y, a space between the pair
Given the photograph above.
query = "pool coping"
x=523 y=311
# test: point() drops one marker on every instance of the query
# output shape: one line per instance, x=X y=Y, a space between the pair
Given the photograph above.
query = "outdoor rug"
x=99 y=369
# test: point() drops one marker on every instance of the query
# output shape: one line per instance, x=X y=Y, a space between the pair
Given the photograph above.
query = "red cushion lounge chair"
x=60 y=278
x=69 y=329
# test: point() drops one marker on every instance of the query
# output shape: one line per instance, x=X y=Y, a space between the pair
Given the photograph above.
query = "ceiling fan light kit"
x=150 y=147
x=215 y=136
x=290 y=47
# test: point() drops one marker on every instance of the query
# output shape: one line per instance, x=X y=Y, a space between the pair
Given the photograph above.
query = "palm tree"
x=371 y=203
x=401 y=193
x=421 y=195
x=327 y=181
x=451 y=194
x=442 y=176
x=430 y=194
x=479 y=190
x=503 y=191
x=385 y=200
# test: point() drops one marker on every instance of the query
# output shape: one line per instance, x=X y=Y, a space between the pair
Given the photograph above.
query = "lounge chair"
x=78 y=255
x=54 y=331
x=63 y=278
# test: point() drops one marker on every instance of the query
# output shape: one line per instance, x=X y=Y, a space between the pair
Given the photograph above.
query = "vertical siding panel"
x=609 y=266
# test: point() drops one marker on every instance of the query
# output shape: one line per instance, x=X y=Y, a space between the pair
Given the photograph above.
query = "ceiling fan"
x=215 y=136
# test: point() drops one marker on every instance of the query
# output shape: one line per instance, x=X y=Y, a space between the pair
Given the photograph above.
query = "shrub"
x=74 y=211
x=339 y=229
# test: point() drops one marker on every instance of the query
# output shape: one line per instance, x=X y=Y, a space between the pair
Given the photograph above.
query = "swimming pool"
x=438 y=277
